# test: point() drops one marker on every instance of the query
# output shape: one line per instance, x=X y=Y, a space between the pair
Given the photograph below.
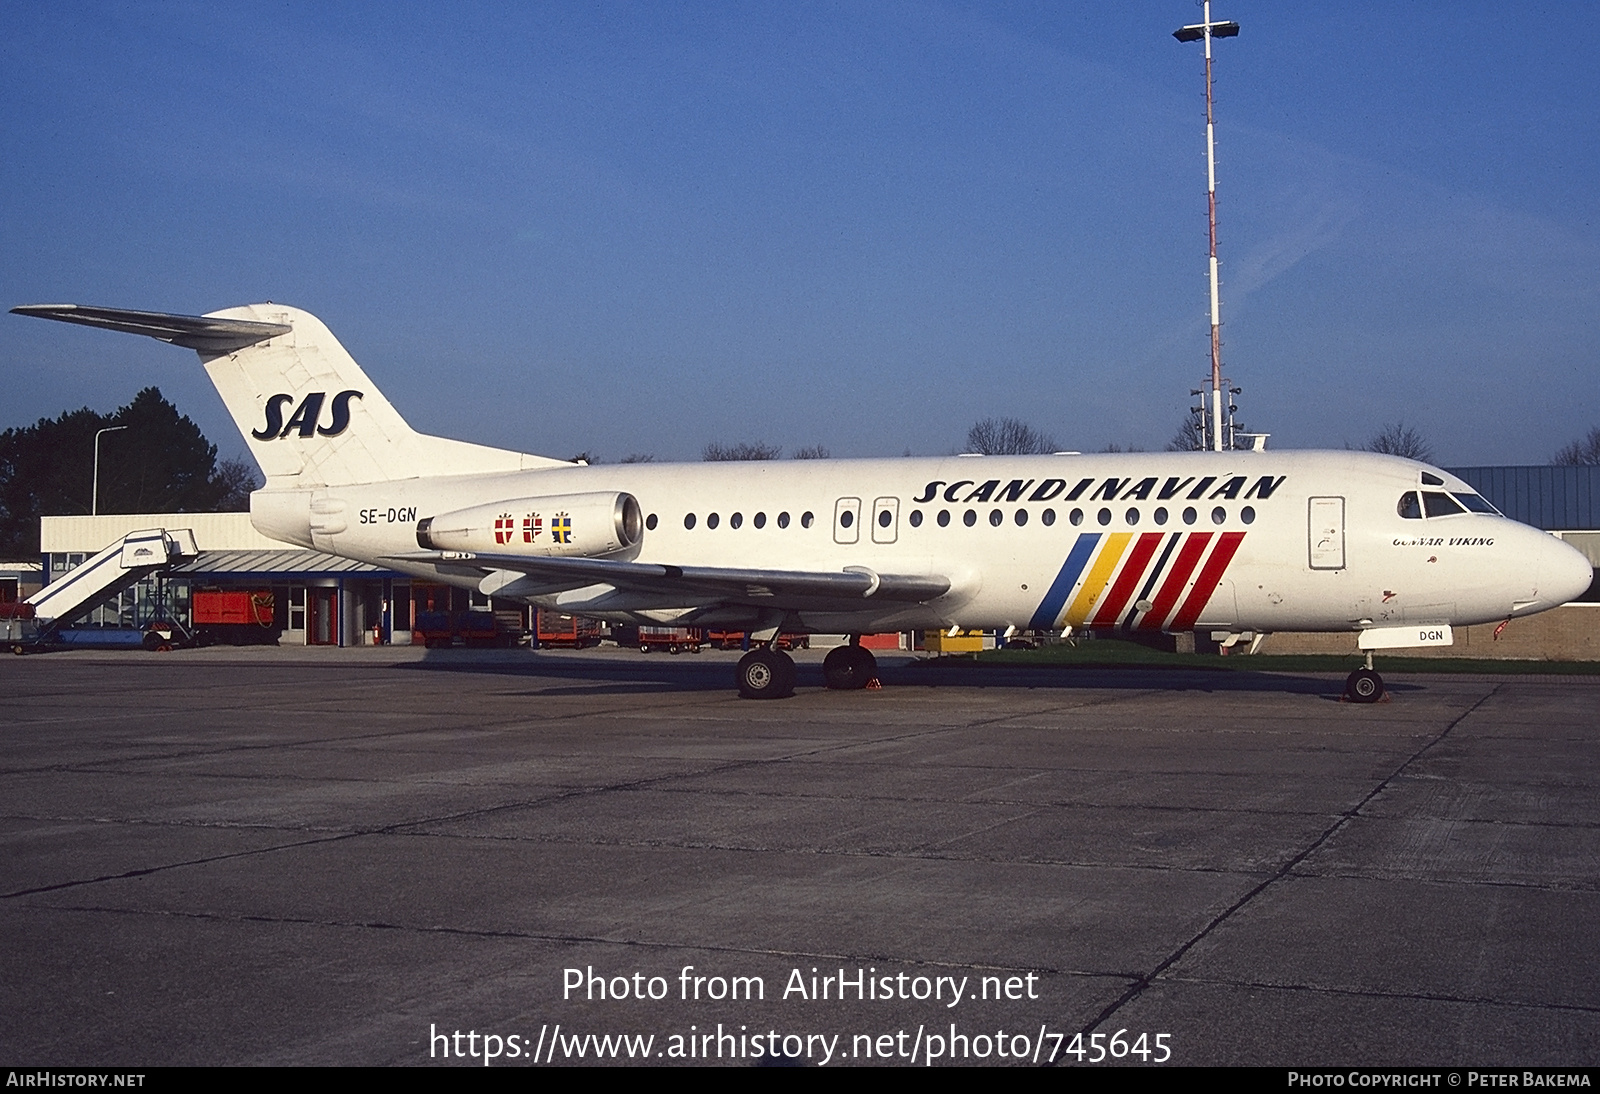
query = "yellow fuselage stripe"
x=1099 y=577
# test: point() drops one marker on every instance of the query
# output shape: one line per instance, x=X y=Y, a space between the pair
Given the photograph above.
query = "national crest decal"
x=504 y=525
x=561 y=528
x=532 y=525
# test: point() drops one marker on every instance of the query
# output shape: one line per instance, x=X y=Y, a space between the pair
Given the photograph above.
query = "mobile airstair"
x=40 y=621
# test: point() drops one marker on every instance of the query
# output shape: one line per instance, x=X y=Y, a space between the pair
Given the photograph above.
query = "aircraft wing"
x=696 y=586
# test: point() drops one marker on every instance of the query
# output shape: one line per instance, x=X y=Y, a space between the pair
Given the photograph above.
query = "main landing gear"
x=766 y=673
x=1365 y=685
x=849 y=668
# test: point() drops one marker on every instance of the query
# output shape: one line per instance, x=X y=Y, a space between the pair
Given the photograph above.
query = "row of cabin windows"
x=1103 y=517
x=736 y=520
x=997 y=517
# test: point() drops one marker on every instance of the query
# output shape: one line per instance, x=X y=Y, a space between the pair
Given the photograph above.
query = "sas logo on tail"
x=306 y=416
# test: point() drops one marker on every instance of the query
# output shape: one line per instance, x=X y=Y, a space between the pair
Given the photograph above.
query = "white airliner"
x=1242 y=543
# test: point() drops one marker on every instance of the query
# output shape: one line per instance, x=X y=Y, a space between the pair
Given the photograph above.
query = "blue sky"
x=641 y=227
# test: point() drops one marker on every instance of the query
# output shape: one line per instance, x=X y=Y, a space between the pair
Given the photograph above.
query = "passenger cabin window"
x=1409 y=508
x=1439 y=504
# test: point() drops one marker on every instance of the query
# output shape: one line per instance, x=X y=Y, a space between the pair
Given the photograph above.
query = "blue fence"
x=1555 y=498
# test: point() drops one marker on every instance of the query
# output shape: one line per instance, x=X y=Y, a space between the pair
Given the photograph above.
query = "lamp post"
x=1205 y=32
x=94 y=497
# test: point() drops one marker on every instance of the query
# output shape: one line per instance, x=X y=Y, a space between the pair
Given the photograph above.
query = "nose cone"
x=1565 y=573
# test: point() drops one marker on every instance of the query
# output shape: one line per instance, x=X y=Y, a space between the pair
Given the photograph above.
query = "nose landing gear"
x=1365 y=685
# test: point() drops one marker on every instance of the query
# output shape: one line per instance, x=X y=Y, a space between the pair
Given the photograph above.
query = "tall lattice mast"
x=1217 y=436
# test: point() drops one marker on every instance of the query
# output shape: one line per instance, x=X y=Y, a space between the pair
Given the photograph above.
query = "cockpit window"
x=1475 y=503
x=1430 y=479
x=1408 y=507
x=1439 y=504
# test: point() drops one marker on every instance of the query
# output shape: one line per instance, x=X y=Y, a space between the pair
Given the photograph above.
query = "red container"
x=233 y=606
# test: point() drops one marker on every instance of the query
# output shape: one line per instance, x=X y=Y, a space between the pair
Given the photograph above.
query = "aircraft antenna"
x=1217 y=425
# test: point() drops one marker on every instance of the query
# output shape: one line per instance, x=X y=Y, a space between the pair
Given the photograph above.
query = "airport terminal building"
x=286 y=593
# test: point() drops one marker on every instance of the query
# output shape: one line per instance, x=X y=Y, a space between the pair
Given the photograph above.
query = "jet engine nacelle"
x=587 y=525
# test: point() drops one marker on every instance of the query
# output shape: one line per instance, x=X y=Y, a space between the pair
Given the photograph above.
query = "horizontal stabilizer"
x=197 y=332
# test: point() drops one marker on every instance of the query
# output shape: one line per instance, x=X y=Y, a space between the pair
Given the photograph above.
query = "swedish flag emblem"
x=561 y=528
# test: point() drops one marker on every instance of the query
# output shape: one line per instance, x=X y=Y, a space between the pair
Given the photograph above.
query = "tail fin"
x=308 y=412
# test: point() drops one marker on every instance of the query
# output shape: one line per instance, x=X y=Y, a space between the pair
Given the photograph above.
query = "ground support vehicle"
x=234 y=617
x=561 y=631
x=671 y=639
x=476 y=628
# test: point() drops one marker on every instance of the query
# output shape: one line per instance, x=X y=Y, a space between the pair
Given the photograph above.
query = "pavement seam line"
x=1138 y=987
x=148 y=870
x=1377 y=993
x=570 y=939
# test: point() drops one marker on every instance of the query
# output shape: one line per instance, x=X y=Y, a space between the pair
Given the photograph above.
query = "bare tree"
x=1584 y=452
x=1007 y=437
x=1399 y=439
x=236 y=477
x=811 y=452
x=585 y=457
x=744 y=450
x=639 y=457
x=1115 y=447
x=1190 y=437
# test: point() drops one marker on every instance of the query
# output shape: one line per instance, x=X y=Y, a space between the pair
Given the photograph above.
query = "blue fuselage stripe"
x=1056 y=599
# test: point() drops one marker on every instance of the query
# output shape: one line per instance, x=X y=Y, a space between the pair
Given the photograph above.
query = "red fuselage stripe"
x=1127 y=581
x=1206 y=583
x=1188 y=557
